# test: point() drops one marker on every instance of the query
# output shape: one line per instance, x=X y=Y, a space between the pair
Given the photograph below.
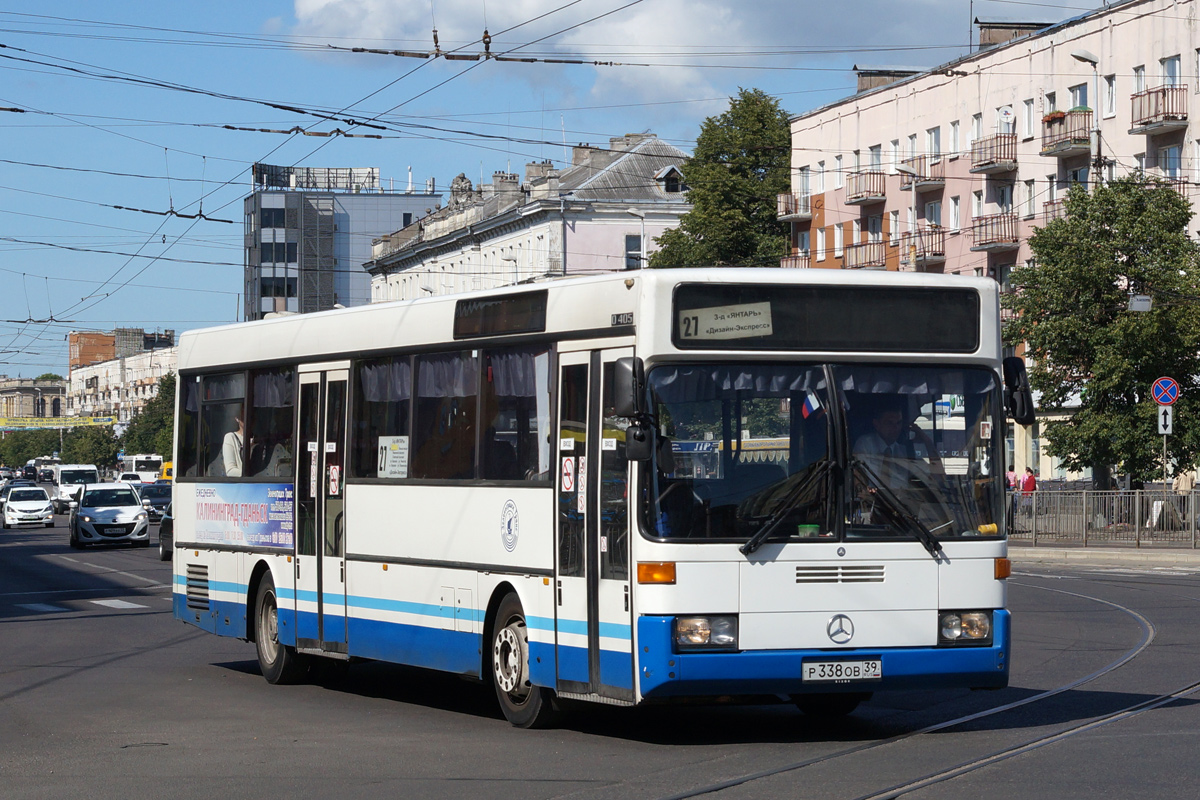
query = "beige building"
x=119 y=388
x=951 y=169
x=29 y=397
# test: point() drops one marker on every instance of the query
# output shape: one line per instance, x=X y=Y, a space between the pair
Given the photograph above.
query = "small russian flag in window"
x=811 y=406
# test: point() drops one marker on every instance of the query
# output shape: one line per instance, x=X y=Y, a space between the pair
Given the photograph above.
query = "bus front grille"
x=840 y=573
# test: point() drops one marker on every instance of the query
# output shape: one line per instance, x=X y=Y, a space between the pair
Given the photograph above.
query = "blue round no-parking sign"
x=1165 y=391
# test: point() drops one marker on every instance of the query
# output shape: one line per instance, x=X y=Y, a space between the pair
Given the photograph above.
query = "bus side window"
x=516 y=415
x=223 y=404
x=269 y=445
x=381 y=416
x=443 y=443
x=189 y=430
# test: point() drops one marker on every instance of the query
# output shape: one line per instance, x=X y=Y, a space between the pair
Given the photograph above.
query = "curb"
x=1102 y=555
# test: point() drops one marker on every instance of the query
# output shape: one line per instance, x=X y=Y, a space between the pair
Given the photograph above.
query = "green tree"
x=90 y=444
x=152 y=429
x=48 y=376
x=1088 y=350
x=17 y=447
x=741 y=163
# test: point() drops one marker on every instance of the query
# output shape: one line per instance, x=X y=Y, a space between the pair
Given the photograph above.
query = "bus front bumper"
x=664 y=672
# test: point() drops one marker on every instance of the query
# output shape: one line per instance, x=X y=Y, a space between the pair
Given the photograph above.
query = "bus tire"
x=524 y=705
x=278 y=662
x=833 y=704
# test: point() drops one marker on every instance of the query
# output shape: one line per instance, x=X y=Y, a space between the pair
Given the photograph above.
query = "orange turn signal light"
x=656 y=572
x=1003 y=568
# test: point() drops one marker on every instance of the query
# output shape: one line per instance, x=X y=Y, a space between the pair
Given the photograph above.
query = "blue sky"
x=106 y=118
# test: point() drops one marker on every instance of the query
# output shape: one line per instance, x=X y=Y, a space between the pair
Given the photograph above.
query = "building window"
x=820 y=176
x=875 y=156
x=1170 y=161
x=1051 y=102
x=837 y=172
x=933 y=143
x=855 y=231
x=1027 y=119
x=933 y=213
x=272 y=217
x=912 y=145
x=1004 y=198
x=893 y=227
x=839 y=237
x=977 y=204
x=875 y=228
x=802 y=242
x=893 y=155
x=976 y=127
x=407 y=219
x=1079 y=98
x=1006 y=121
x=1139 y=80
x=633 y=251
x=1110 y=95
x=820 y=244
x=1140 y=160
x=1051 y=188
x=1079 y=175
x=801 y=183
x=857 y=160
x=1170 y=71
x=955 y=214
x=1029 y=193
x=954 y=139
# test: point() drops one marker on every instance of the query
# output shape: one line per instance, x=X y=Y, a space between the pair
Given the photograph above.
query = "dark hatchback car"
x=45 y=476
x=157 y=495
x=166 y=535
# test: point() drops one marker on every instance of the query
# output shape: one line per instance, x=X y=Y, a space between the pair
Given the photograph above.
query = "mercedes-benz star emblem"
x=840 y=629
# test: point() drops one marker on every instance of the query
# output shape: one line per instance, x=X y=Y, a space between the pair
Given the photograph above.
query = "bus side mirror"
x=1018 y=397
x=629 y=388
x=639 y=441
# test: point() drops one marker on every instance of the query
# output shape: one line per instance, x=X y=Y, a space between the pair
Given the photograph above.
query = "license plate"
x=840 y=671
x=30 y=518
x=113 y=531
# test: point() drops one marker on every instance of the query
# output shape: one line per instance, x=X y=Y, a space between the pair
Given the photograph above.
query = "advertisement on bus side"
x=245 y=514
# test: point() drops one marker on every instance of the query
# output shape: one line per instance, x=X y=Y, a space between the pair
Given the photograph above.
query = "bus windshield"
x=823 y=452
x=73 y=476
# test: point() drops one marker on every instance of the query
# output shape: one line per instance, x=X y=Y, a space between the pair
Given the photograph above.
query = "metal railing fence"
x=1087 y=518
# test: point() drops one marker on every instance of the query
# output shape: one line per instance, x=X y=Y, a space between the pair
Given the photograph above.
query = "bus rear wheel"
x=524 y=705
x=834 y=704
x=278 y=662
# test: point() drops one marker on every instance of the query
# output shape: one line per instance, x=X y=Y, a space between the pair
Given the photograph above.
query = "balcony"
x=1053 y=209
x=1006 y=314
x=801 y=261
x=863 y=188
x=864 y=255
x=993 y=154
x=1159 y=110
x=792 y=207
x=923 y=248
x=1067 y=133
x=931 y=173
x=995 y=233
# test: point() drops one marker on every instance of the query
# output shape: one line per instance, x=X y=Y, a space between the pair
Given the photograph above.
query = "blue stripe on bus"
x=609 y=630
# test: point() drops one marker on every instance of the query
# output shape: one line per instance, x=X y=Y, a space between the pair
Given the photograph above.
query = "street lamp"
x=1086 y=57
x=913 y=231
x=641 y=215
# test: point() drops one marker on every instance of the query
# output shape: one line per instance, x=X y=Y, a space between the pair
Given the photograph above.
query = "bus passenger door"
x=320 y=489
x=593 y=620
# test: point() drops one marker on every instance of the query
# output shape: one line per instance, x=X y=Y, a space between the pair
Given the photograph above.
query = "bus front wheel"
x=278 y=662
x=524 y=705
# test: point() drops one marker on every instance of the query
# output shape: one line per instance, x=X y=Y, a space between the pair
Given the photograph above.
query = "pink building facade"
x=951 y=169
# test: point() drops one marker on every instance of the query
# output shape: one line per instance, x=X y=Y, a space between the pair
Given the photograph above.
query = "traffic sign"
x=1165 y=420
x=1165 y=391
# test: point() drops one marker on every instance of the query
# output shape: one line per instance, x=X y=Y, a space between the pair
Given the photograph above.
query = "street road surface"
x=104 y=694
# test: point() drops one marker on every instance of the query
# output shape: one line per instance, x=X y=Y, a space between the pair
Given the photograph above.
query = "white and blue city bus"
x=629 y=488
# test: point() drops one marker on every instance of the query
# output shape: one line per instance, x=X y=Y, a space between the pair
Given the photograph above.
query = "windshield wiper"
x=789 y=502
x=897 y=513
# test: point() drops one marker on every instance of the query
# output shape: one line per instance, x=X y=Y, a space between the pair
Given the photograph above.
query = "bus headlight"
x=708 y=633
x=964 y=627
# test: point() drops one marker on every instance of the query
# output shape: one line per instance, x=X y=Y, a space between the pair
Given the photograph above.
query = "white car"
x=27 y=505
x=108 y=512
x=130 y=477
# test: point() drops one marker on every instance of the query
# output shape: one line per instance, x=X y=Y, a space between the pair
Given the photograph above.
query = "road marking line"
x=118 y=604
x=111 y=570
x=41 y=607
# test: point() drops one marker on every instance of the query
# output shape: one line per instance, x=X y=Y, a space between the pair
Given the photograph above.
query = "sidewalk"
x=1146 y=556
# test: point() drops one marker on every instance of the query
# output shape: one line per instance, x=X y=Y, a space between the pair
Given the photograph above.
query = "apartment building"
x=599 y=214
x=121 y=387
x=951 y=169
